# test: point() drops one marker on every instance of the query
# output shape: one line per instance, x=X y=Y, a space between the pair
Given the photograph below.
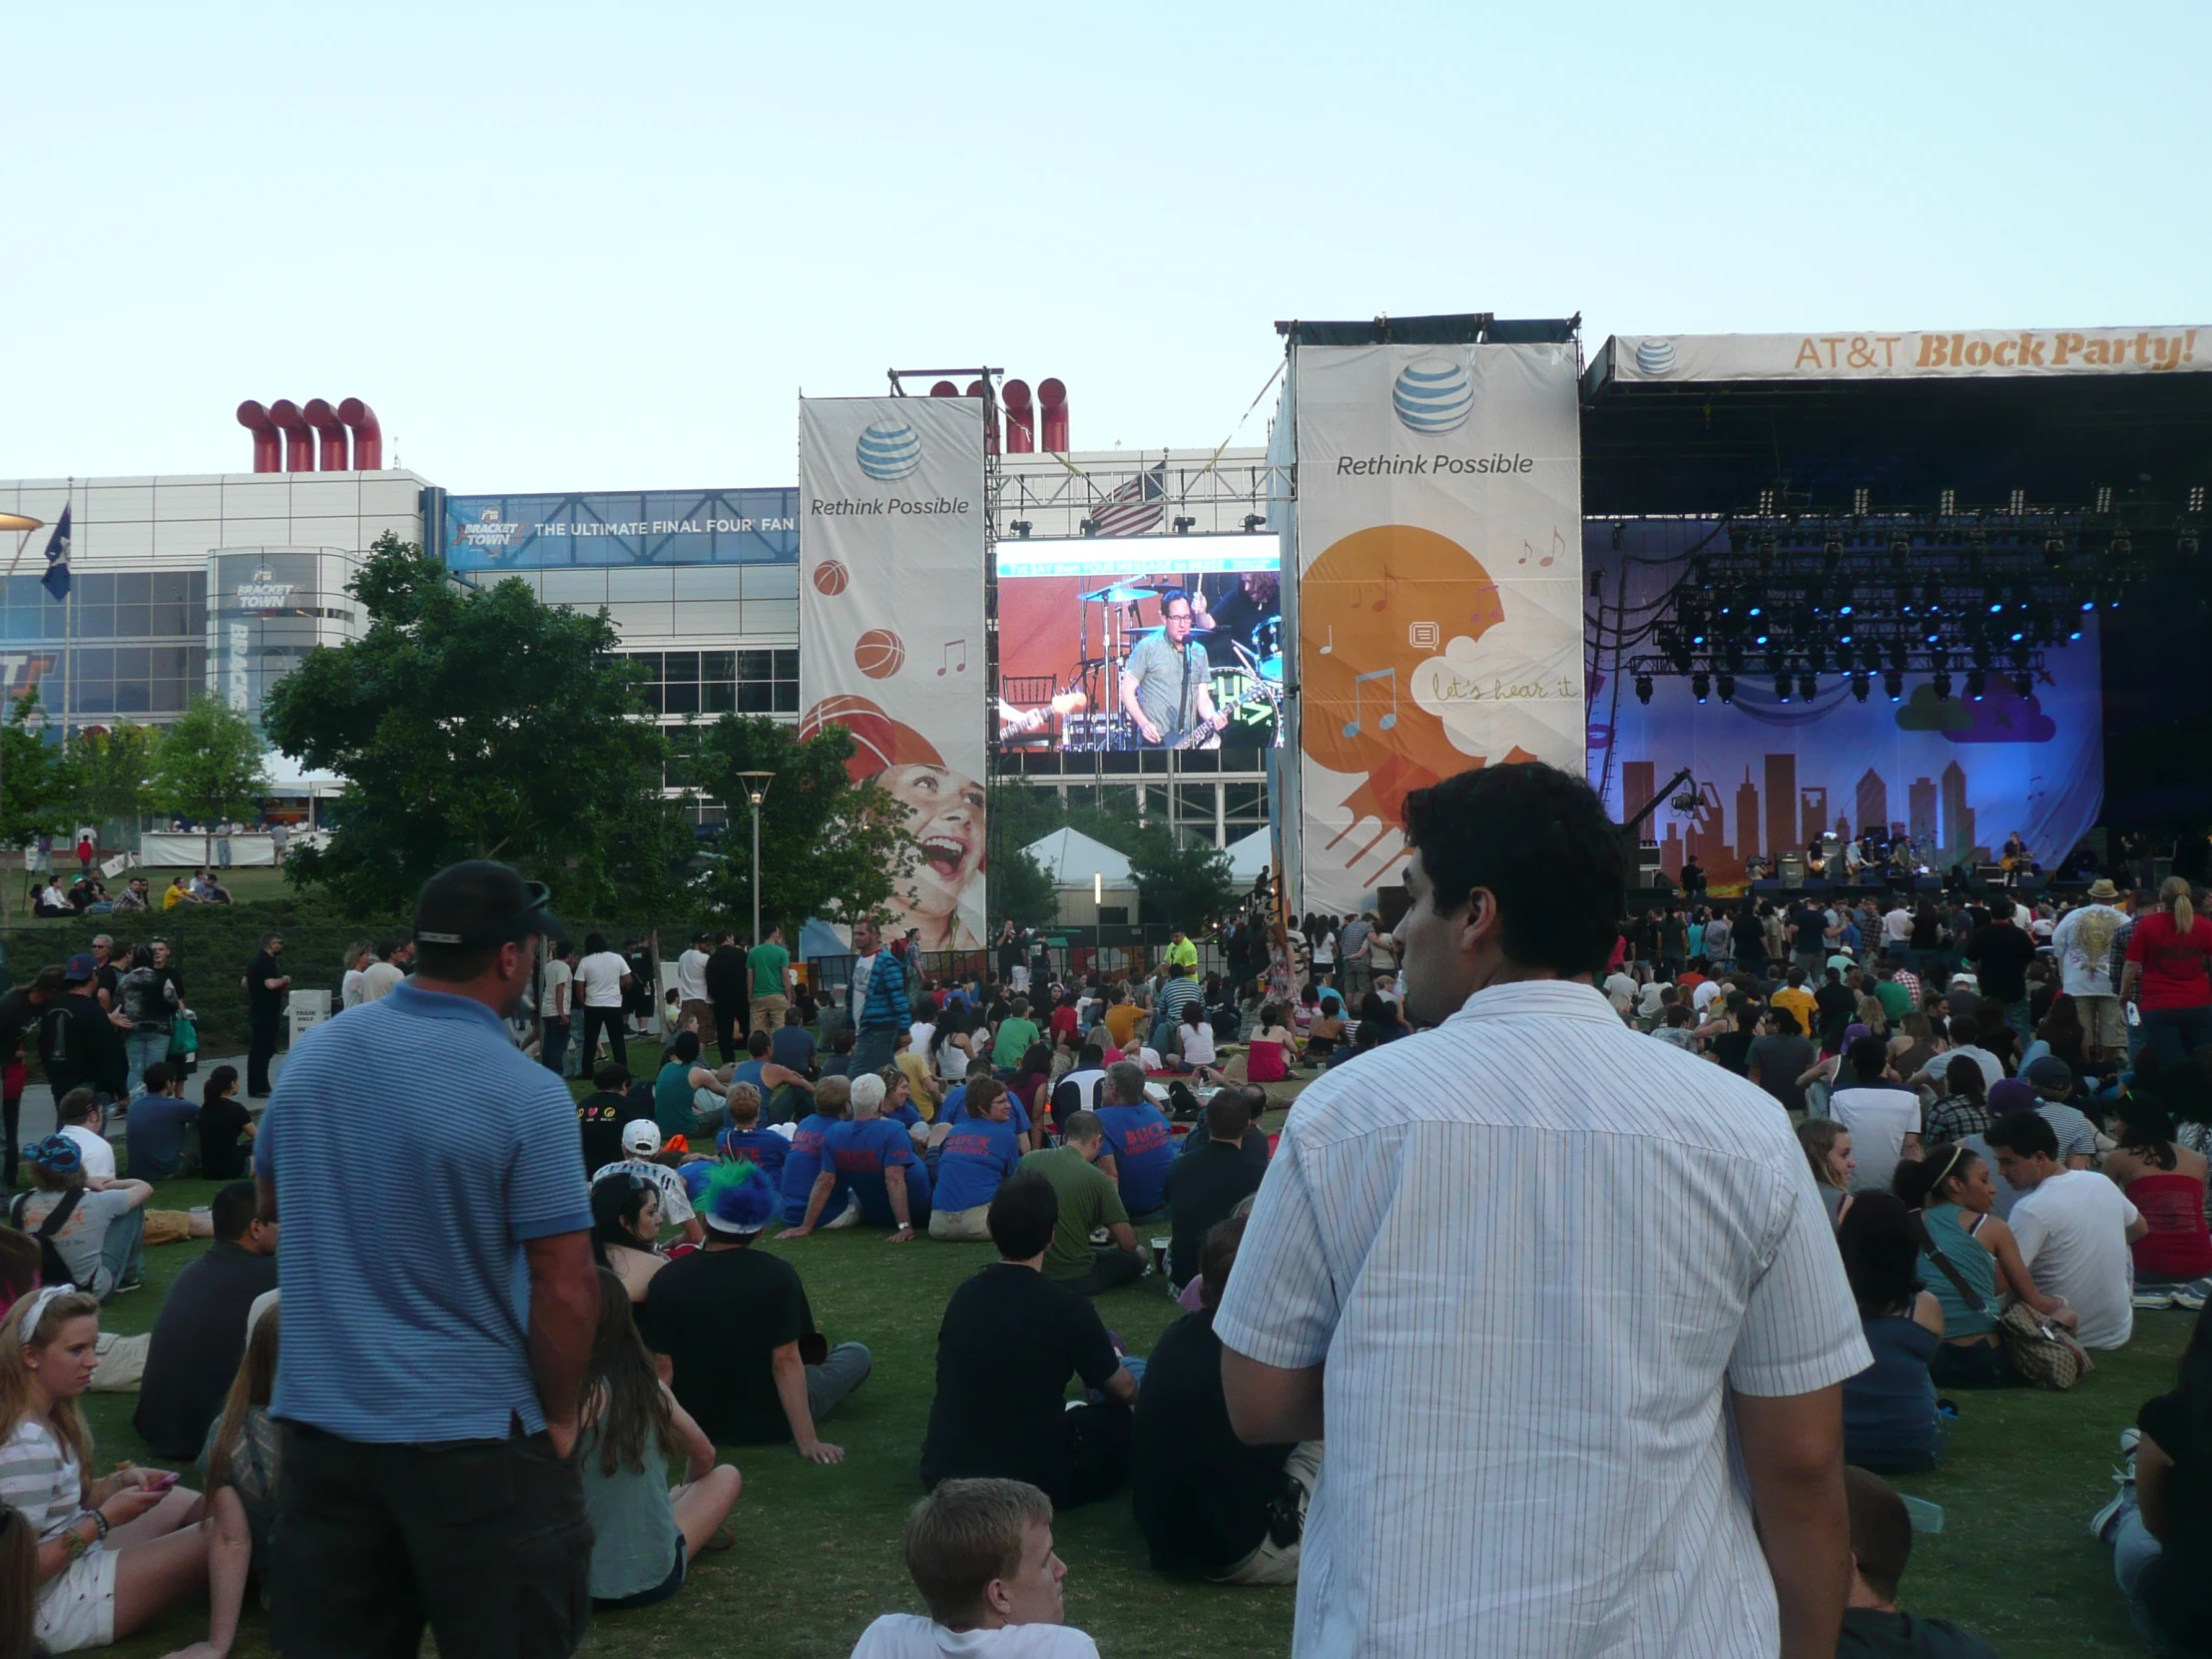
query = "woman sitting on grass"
x=1952 y=1189
x=115 y=1553
x=645 y=1531
x=241 y=1463
x=1889 y=1420
x=626 y=1229
x=2166 y=1182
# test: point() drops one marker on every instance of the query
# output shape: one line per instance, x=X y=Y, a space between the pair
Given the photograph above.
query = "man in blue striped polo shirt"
x=439 y=1307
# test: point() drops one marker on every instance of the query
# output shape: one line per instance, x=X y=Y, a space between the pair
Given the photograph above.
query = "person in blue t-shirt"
x=875 y=1159
x=746 y=1139
x=805 y=1164
x=955 y=1105
x=1139 y=1144
x=977 y=1154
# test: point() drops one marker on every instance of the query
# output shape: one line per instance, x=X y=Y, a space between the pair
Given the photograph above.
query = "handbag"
x=184 y=1043
x=2044 y=1355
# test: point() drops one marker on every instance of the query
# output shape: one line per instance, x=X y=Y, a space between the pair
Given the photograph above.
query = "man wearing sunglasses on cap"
x=439 y=1306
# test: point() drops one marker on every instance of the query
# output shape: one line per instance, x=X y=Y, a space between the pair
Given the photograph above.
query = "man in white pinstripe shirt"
x=1562 y=1300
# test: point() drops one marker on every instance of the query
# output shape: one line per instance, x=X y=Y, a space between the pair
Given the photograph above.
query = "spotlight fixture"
x=1021 y=527
x=1182 y=526
x=1254 y=523
x=1943 y=686
x=1977 y=684
x=1781 y=688
x=1901 y=549
x=1727 y=688
x=1701 y=684
x=1859 y=687
x=1089 y=527
x=1893 y=686
x=1643 y=688
x=1807 y=687
x=2024 y=684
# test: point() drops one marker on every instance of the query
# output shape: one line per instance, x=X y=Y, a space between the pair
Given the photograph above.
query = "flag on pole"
x=56 y=579
x=1135 y=507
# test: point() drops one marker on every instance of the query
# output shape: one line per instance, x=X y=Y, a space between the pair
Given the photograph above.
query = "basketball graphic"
x=830 y=577
x=879 y=653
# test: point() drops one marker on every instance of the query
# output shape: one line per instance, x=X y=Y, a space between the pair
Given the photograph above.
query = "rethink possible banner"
x=890 y=628
x=1440 y=568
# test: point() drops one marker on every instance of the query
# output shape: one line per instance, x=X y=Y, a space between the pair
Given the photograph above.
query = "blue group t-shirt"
x=763 y=1146
x=971 y=1162
x=865 y=1154
x=406 y=1287
x=955 y=1110
x=803 y=1165
x=1143 y=1147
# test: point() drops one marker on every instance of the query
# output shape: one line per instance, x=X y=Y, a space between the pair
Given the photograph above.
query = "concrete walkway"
x=38 y=1099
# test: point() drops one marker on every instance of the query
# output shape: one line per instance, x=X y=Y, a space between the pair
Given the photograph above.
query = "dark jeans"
x=554 y=1049
x=608 y=1020
x=1098 y=1455
x=728 y=1021
x=265 y=1033
x=487 y=1541
x=1111 y=1268
x=2177 y=1033
x=1964 y=1365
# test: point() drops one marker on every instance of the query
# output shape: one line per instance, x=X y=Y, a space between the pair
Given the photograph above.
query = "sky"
x=565 y=248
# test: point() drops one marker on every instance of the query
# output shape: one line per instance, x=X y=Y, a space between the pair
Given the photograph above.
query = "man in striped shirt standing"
x=1532 y=1452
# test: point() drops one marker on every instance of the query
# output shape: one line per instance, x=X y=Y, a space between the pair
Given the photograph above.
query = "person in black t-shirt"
x=1999 y=953
x=200 y=1334
x=223 y=1121
x=1009 y=1341
x=265 y=985
x=1253 y=1139
x=1834 y=1004
x=1880 y=1544
x=601 y=1115
x=2160 y=1528
x=1205 y=1185
x=736 y=1329
x=727 y=988
x=1206 y=1503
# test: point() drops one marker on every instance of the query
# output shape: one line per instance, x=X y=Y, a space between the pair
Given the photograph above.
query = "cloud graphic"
x=2003 y=716
x=1925 y=714
x=1492 y=695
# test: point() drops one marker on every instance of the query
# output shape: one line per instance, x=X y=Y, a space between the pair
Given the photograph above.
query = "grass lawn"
x=818 y=1547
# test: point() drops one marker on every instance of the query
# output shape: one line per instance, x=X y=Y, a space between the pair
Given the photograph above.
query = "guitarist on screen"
x=1166 y=685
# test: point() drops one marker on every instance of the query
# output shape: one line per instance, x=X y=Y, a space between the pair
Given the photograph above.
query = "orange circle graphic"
x=830 y=577
x=879 y=653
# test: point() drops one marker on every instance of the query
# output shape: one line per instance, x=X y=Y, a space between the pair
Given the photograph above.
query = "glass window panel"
x=714 y=617
x=754 y=665
x=130 y=663
x=172 y=587
x=680 y=699
x=24 y=593
x=195 y=664
x=133 y=621
x=717 y=665
x=584 y=588
x=90 y=622
x=787 y=697
x=134 y=587
x=754 y=696
x=195 y=589
x=717 y=696
x=94 y=697
x=771 y=617
x=651 y=662
x=679 y=666
x=787 y=665
x=650 y=696
x=133 y=697
x=173 y=619
x=93 y=589
x=93 y=663
x=638 y=586
x=640 y=621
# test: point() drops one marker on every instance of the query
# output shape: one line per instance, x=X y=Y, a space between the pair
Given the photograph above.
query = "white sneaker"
x=2101 y=1524
x=2130 y=1438
x=850 y=1218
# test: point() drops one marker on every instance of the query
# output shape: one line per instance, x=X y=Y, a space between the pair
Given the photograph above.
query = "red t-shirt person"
x=2174 y=963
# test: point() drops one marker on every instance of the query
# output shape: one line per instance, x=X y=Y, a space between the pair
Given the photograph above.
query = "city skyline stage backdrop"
x=1771 y=776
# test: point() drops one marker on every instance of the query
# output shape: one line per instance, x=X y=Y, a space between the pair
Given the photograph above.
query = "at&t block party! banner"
x=890 y=627
x=1439 y=560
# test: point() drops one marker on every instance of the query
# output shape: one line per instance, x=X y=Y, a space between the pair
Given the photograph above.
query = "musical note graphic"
x=1558 y=545
x=1330 y=648
x=1389 y=582
x=959 y=666
x=1351 y=727
x=1527 y=552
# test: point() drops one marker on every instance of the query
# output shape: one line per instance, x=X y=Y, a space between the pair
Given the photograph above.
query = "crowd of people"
x=1976 y=1176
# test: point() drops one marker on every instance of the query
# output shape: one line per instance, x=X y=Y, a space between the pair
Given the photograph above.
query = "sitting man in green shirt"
x=1016 y=1034
x=1089 y=1200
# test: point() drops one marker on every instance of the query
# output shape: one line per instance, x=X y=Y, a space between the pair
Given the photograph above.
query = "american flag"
x=1134 y=508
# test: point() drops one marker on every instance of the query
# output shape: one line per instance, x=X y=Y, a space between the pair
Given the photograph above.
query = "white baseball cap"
x=641 y=1136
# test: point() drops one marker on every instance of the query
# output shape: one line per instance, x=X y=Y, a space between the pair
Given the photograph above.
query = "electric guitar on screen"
x=1013 y=722
x=1203 y=734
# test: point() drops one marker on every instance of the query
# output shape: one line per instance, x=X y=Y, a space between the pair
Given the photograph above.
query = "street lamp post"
x=756 y=789
x=1098 y=922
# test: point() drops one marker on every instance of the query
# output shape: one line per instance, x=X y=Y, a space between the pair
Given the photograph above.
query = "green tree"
x=478 y=723
x=1020 y=890
x=210 y=765
x=1185 y=887
x=33 y=800
x=829 y=848
x=109 y=773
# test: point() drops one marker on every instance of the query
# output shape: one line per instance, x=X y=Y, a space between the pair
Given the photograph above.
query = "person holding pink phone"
x=116 y=1552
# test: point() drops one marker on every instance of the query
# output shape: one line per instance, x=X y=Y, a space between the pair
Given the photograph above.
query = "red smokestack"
x=256 y=420
x=944 y=388
x=324 y=421
x=368 y=437
x=298 y=440
x=1020 y=418
x=1052 y=401
x=976 y=389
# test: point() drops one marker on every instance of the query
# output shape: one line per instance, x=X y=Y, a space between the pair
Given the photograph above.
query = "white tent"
x=1251 y=858
x=1072 y=859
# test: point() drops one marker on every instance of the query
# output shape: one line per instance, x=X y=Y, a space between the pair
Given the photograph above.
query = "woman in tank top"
x=1952 y=1189
x=2165 y=1180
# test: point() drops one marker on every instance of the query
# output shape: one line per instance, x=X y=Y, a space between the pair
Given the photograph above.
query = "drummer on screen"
x=1165 y=686
x=1240 y=616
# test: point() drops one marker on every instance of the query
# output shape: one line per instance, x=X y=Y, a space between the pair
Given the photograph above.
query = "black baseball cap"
x=481 y=904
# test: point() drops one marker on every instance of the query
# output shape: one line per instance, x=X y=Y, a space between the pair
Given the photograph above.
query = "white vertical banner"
x=890 y=628
x=1439 y=577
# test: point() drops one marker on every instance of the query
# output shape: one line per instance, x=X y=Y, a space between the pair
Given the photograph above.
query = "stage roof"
x=1703 y=423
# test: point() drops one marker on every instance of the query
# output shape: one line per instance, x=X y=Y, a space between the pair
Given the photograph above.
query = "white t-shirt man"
x=1620 y=990
x=1708 y=993
x=2083 y=941
x=1897 y=926
x=2073 y=1233
x=96 y=1152
x=1457 y=1394
x=599 y=980
x=349 y=988
x=910 y=1636
x=1993 y=1068
x=691 y=975
x=1879 y=1118
x=560 y=980
x=379 y=979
